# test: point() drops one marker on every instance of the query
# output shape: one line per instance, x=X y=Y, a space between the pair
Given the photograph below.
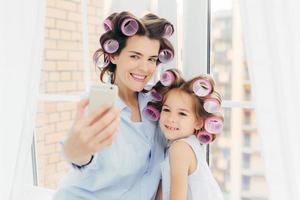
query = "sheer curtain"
x=271 y=29
x=21 y=36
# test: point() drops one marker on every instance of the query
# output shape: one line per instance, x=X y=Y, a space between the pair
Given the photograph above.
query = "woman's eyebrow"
x=140 y=54
x=135 y=52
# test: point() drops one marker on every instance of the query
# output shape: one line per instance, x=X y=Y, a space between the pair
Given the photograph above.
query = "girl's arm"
x=181 y=156
x=159 y=192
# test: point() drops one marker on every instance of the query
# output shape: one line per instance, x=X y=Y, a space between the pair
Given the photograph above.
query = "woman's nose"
x=146 y=66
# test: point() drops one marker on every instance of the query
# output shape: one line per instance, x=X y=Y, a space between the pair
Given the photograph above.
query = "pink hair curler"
x=204 y=137
x=202 y=87
x=101 y=65
x=111 y=45
x=213 y=125
x=129 y=26
x=168 y=30
x=155 y=95
x=151 y=113
x=107 y=25
x=211 y=105
x=165 y=55
x=167 y=78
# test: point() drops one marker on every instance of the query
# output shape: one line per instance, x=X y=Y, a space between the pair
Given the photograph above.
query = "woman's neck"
x=128 y=96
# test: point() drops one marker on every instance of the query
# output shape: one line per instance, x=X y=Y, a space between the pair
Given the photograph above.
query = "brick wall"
x=62 y=74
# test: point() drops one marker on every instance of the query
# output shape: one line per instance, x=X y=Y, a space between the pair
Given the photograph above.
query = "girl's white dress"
x=201 y=183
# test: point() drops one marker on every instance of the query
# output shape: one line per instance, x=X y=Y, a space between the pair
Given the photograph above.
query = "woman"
x=116 y=150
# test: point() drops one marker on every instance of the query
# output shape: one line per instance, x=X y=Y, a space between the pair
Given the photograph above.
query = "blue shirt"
x=128 y=169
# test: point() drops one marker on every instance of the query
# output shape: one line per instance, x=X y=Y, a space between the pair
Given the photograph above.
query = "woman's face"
x=136 y=63
x=178 y=118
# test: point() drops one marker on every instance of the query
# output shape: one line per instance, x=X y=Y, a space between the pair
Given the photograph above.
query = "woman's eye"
x=134 y=57
x=153 y=60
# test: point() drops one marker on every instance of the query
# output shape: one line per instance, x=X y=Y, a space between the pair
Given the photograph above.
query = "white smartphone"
x=101 y=94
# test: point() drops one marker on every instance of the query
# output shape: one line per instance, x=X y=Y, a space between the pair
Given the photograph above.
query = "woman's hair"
x=150 y=26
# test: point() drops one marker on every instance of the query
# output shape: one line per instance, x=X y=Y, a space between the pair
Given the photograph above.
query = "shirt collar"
x=143 y=99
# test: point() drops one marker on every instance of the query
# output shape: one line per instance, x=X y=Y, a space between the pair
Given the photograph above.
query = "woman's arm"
x=181 y=156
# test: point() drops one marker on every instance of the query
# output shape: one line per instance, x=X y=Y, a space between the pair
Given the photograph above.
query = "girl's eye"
x=165 y=110
x=182 y=114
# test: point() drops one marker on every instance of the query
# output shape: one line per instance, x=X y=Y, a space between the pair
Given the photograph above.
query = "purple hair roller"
x=107 y=25
x=211 y=105
x=204 y=137
x=213 y=125
x=151 y=113
x=167 y=78
x=165 y=55
x=168 y=30
x=129 y=26
x=155 y=95
x=111 y=46
x=101 y=65
x=202 y=87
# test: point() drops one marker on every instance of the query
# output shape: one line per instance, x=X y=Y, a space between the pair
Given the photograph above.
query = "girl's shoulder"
x=182 y=155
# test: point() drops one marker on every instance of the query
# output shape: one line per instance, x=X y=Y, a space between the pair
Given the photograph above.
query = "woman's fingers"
x=97 y=114
x=107 y=132
x=104 y=121
x=81 y=105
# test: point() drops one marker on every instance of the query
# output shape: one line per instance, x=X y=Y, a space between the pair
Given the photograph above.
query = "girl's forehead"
x=180 y=99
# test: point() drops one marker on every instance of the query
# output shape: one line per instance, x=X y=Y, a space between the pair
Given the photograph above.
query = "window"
x=228 y=65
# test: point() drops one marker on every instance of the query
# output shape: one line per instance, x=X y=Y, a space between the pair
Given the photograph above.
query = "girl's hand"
x=90 y=134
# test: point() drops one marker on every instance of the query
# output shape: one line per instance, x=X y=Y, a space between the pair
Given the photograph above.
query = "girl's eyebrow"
x=185 y=110
x=180 y=109
x=140 y=54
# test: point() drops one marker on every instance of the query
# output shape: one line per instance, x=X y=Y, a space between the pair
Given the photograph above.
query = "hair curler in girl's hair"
x=155 y=95
x=165 y=55
x=168 y=30
x=205 y=137
x=107 y=25
x=129 y=26
x=212 y=103
x=202 y=87
x=167 y=78
x=213 y=124
x=111 y=46
x=151 y=113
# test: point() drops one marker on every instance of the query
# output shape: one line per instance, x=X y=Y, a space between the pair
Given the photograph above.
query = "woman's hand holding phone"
x=90 y=134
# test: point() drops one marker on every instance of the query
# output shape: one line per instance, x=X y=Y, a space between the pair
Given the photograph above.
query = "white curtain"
x=21 y=36
x=272 y=40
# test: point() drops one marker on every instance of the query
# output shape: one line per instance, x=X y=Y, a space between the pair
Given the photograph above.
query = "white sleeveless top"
x=201 y=183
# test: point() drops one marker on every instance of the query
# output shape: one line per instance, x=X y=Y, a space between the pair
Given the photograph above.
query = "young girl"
x=188 y=118
x=112 y=163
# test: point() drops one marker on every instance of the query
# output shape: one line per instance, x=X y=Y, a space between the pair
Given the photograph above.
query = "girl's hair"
x=179 y=84
x=150 y=26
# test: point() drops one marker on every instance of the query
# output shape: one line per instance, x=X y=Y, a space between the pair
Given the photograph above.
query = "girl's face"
x=178 y=118
x=136 y=63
